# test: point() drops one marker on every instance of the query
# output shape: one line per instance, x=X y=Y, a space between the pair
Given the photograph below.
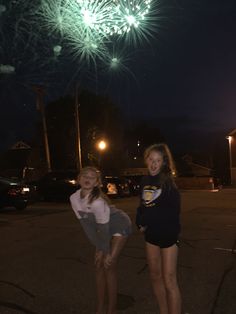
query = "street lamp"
x=230 y=138
x=101 y=146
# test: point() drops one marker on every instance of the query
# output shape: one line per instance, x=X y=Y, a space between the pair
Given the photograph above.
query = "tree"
x=138 y=138
x=99 y=117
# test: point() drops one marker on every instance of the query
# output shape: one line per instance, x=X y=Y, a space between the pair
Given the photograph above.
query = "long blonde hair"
x=97 y=190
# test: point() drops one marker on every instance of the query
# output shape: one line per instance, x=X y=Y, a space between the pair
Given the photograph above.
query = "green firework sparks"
x=91 y=26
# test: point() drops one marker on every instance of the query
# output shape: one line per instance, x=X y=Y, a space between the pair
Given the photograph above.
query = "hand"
x=98 y=258
x=108 y=260
x=142 y=229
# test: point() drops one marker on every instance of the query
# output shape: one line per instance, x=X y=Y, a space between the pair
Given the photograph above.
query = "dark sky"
x=182 y=80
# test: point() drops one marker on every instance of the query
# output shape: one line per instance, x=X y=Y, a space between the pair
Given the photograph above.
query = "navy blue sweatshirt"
x=159 y=209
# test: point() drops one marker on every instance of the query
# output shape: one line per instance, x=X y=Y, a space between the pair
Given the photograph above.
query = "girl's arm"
x=75 y=204
x=139 y=219
x=174 y=200
x=96 y=232
x=95 y=223
x=102 y=216
x=90 y=229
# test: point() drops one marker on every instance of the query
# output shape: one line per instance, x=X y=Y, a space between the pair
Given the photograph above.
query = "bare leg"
x=117 y=245
x=112 y=289
x=154 y=261
x=169 y=258
x=100 y=286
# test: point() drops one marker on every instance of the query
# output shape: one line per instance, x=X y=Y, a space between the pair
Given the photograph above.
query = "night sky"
x=182 y=80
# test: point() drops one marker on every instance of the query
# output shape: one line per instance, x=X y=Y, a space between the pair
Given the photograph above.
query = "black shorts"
x=162 y=241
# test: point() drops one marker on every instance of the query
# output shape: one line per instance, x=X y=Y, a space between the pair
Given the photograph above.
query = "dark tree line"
x=99 y=118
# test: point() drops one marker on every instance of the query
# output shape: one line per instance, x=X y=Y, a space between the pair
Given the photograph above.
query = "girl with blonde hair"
x=107 y=228
x=158 y=218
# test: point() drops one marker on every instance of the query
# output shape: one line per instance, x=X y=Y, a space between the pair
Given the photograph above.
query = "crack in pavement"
x=17 y=307
x=18 y=287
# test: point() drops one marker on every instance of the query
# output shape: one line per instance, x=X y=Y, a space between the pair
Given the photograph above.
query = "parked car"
x=14 y=193
x=57 y=185
x=116 y=186
x=134 y=183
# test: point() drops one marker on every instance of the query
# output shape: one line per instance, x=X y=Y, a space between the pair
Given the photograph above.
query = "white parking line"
x=223 y=249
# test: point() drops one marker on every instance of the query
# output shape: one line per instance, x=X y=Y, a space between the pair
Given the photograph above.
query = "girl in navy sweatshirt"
x=158 y=218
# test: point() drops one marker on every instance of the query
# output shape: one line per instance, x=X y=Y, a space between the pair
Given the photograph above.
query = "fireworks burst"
x=90 y=25
x=136 y=19
x=43 y=38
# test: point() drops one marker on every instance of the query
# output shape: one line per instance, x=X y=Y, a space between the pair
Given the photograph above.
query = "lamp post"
x=77 y=123
x=229 y=138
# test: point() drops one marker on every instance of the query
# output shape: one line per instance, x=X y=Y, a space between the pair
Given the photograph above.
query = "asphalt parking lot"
x=46 y=261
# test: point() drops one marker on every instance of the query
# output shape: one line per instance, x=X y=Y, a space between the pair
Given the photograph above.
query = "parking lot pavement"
x=46 y=261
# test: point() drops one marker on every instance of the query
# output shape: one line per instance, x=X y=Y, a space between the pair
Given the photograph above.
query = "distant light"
x=73 y=182
x=102 y=145
x=114 y=62
x=7 y=69
x=135 y=158
x=57 y=50
x=229 y=138
x=2 y=8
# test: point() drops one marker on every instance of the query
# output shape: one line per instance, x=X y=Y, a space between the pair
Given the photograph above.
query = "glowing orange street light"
x=101 y=145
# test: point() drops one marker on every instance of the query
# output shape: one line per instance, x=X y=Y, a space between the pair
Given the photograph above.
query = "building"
x=186 y=167
x=22 y=161
x=231 y=137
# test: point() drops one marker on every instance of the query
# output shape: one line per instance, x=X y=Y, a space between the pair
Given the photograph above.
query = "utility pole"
x=230 y=138
x=77 y=124
x=40 y=91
